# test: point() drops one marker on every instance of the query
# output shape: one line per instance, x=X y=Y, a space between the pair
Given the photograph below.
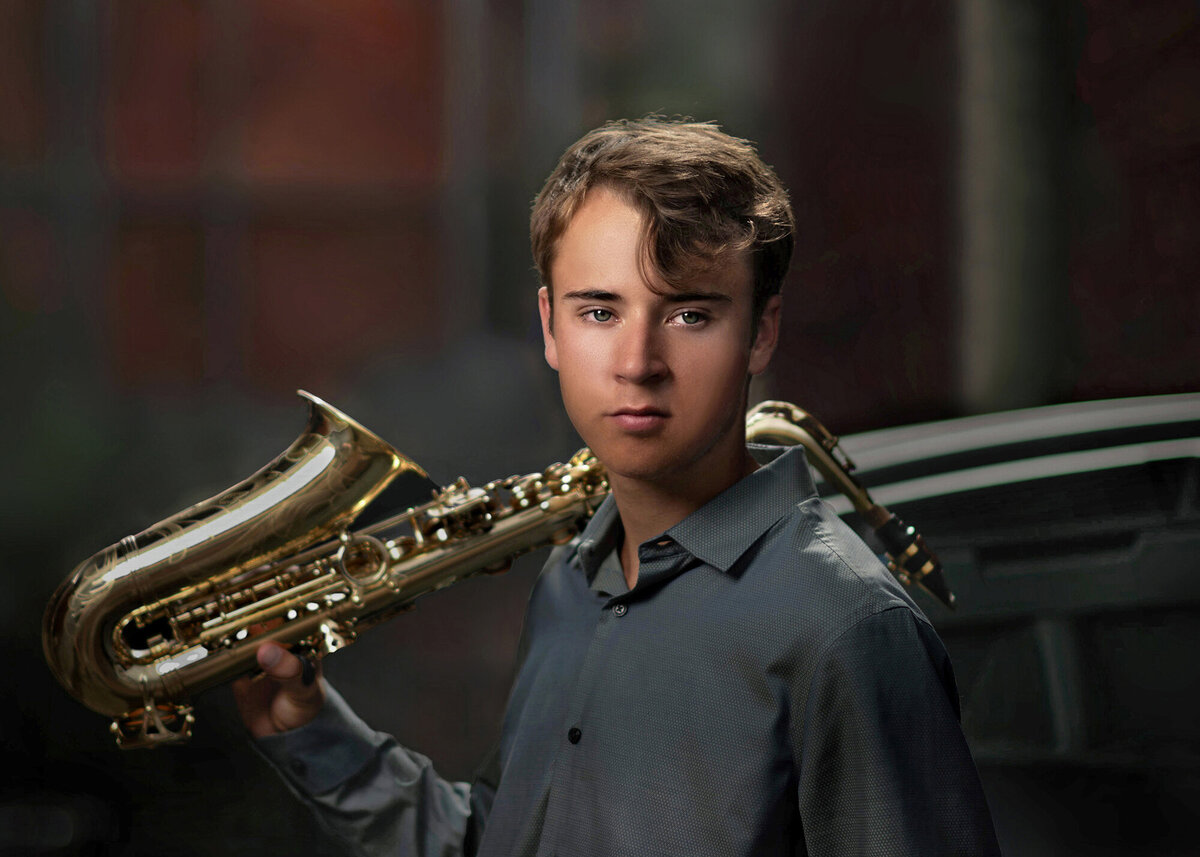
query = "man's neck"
x=648 y=508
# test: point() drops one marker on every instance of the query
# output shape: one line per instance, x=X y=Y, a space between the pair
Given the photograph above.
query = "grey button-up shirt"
x=765 y=689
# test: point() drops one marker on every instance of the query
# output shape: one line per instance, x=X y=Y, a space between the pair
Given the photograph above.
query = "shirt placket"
x=617 y=619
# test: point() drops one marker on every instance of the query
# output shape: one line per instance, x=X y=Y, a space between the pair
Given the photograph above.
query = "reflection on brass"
x=147 y=623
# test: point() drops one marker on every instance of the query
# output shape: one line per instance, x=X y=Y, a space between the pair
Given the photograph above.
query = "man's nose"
x=642 y=358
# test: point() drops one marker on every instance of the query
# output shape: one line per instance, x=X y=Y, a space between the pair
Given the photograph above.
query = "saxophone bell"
x=131 y=633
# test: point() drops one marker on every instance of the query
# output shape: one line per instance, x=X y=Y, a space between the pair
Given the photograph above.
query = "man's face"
x=653 y=382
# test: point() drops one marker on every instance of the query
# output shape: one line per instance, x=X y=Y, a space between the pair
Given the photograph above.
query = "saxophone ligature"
x=145 y=624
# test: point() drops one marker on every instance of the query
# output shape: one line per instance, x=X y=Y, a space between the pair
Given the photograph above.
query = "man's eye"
x=690 y=316
x=600 y=314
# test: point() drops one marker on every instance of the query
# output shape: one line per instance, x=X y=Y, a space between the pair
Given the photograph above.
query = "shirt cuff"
x=326 y=752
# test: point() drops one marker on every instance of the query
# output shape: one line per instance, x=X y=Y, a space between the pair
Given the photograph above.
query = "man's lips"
x=639 y=420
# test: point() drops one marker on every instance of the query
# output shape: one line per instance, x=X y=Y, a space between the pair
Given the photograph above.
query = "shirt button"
x=619 y=610
x=574 y=734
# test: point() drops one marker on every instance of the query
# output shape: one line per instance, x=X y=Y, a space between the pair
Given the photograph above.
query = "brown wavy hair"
x=706 y=196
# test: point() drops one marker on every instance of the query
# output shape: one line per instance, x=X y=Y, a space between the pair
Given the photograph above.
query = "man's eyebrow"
x=693 y=296
x=590 y=295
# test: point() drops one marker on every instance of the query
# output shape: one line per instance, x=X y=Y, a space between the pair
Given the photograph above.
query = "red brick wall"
x=275 y=168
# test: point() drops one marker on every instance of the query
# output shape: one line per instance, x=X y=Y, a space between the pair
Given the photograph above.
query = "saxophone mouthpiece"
x=912 y=561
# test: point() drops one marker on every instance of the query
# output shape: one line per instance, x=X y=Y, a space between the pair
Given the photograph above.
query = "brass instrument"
x=183 y=606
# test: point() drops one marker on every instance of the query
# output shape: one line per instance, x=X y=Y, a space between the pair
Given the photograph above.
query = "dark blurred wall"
x=867 y=137
x=1135 y=214
x=1091 y=167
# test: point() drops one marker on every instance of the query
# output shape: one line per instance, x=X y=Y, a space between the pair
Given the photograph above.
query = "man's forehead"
x=727 y=272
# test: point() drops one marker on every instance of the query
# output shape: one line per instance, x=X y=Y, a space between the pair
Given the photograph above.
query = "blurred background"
x=208 y=204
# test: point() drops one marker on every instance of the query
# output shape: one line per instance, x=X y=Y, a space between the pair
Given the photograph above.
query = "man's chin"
x=647 y=466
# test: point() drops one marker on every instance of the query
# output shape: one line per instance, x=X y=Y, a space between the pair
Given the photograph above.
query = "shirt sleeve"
x=378 y=796
x=884 y=766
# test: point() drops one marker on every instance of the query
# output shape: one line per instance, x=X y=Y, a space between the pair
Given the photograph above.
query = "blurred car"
x=1071 y=537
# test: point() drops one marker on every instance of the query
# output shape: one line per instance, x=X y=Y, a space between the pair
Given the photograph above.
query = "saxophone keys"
x=362 y=560
x=153 y=725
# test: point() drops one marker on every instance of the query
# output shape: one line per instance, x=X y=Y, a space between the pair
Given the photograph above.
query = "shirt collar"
x=599 y=537
x=725 y=527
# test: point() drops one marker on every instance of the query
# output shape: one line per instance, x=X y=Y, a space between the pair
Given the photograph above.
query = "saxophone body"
x=143 y=625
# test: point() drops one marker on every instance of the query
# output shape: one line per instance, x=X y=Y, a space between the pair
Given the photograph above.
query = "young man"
x=717 y=665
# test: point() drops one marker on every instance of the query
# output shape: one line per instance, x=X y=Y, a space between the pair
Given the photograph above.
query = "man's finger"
x=283 y=666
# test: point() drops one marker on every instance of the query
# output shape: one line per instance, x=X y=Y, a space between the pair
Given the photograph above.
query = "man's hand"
x=279 y=699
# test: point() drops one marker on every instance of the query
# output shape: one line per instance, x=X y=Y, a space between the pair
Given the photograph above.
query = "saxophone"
x=146 y=623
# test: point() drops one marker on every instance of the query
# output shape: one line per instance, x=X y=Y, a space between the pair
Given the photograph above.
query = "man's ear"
x=766 y=335
x=547 y=327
